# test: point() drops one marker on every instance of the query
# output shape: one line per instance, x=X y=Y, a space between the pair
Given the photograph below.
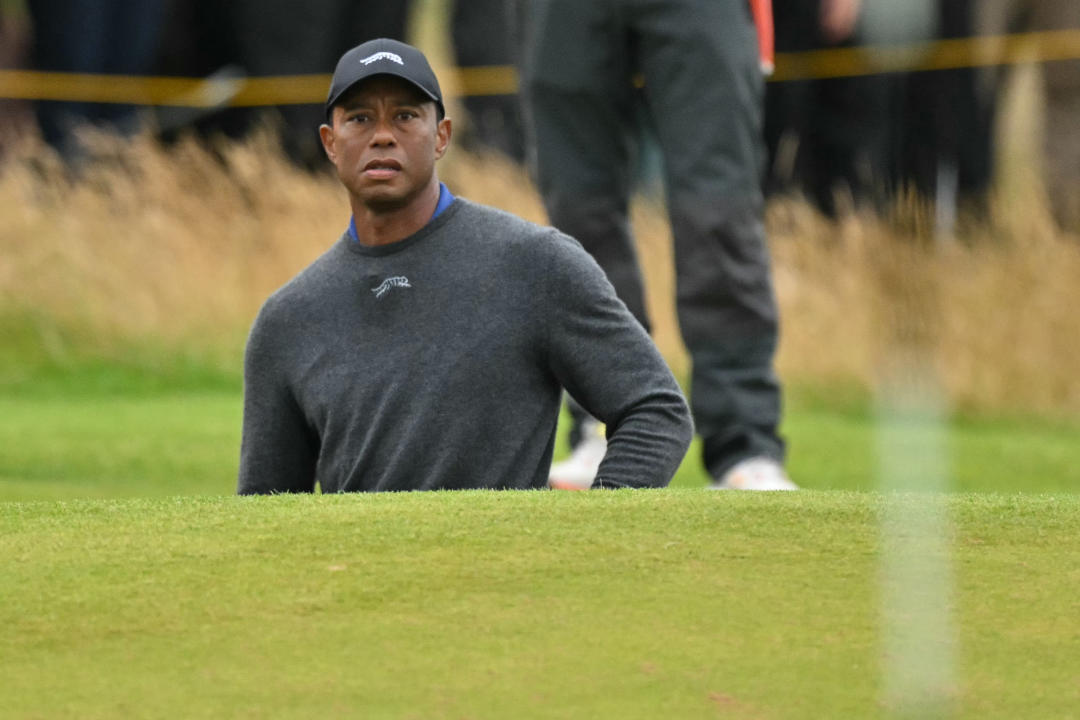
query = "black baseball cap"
x=384 y=57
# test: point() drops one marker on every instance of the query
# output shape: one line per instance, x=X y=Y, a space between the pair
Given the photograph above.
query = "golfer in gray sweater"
x=429 y=347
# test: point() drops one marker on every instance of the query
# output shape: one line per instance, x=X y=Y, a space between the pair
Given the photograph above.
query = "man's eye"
x=406 y=115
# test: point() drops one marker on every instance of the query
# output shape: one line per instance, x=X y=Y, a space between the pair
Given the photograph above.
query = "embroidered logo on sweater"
x=383 y=56
x=398 y=281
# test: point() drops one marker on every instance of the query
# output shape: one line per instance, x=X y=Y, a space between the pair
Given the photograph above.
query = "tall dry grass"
x=992 y=314
x=179 y=246
x=172 y=245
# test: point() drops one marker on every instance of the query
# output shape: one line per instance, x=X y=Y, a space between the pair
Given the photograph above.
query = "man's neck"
x=377 y=227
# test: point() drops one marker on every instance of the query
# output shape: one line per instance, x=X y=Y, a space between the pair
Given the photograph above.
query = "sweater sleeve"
x=609 y=364
x=278 y=449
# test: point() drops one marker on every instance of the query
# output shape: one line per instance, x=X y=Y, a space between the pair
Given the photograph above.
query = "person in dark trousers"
x=827 y=138
x=481 y=31
x=942 y=145
x=110 y=37
x=249 y=38
x=429 y=347
x=282 y=37
x=703 y=86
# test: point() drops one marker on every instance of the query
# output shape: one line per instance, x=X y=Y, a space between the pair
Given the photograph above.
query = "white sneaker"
x=758 y=473
x=578 y=471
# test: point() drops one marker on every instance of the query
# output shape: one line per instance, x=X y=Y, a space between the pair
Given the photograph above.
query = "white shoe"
x=578 y=471
x=758 y=473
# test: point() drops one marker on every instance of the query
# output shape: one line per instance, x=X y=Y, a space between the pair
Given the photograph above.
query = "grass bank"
x=490 y=605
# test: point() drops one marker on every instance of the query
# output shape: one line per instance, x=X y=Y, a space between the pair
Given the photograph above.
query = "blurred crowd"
x=858 y=140
x=237 y=39
x=842 y=142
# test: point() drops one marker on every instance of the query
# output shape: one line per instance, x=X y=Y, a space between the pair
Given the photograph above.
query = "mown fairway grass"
x=123 y=446
x=59 y=443
x=676 y=603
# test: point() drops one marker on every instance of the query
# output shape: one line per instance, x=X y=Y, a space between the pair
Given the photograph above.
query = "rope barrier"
x=1047 y=46
x=987 y=51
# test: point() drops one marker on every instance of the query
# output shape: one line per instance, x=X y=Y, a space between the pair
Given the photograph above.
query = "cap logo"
x=383 y=56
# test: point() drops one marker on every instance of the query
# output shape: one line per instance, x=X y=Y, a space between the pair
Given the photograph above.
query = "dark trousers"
x=839 y=126
x=943 y=123
x=282 y=37
x=481 y=31
x=703 y=89
x=117 y=37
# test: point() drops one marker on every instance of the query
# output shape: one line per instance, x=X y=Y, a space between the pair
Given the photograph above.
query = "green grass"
x=133 y=584
x=42 y=357
x=676 y=603
x=95 y=446
x=117 y=433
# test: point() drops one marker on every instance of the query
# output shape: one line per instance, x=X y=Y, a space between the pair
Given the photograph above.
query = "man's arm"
x=606 y=360
x=278 y=450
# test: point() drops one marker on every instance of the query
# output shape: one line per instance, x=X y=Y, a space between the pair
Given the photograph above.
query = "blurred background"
x=160 y=175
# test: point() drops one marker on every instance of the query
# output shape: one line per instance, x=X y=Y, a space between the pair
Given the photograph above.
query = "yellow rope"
x=986 y=51
x=1045 y=46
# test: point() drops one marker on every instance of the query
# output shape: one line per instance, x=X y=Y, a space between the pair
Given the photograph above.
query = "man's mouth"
x=381 y=168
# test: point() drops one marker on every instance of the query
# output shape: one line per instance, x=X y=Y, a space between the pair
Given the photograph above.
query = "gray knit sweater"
x=437 y=362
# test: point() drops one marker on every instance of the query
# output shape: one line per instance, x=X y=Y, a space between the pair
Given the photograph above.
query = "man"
x=703 y=88
x=429 y=347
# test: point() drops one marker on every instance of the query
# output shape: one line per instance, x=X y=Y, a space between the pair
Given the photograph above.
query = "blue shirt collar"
x=445 y=198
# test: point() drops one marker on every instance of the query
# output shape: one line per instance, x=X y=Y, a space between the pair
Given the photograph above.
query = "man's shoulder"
x=508 y=225
x=542 y=243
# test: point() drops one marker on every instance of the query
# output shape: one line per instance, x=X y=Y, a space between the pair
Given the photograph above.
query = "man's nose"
x=384 y=133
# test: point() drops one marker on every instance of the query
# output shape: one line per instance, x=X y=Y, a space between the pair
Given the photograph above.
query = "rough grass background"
x=178 y=247
x=175 y=246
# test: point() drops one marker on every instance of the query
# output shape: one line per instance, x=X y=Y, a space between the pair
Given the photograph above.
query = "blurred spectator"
x=112 y=37
x=827 y=138
x=1062 y=87
x=284 y=37
x=15 y=115
x=274 y=37
x=201 y=40
x=482 y=36
x=942 y=135
x=930 y=131
x=866 y=137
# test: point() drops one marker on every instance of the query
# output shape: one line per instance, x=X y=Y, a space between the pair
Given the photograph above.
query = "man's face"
x=384 y=140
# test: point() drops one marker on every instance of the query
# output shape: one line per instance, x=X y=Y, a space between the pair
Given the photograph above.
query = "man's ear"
x=443 y=131
x=326 y=134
